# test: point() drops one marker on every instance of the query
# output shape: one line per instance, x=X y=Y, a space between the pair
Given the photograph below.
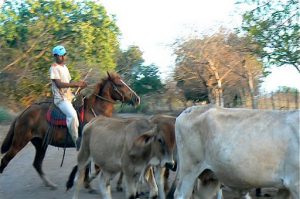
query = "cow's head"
x=158 y=143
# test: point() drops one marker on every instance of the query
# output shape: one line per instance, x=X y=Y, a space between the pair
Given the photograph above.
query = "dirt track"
x=20 y=180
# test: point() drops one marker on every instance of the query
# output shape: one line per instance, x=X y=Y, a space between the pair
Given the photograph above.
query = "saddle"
x=56 y=117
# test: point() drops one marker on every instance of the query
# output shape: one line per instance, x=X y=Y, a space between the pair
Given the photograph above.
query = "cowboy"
x=61 y=89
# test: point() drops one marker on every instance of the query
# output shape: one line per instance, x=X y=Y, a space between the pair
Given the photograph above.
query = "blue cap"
x=59 y=50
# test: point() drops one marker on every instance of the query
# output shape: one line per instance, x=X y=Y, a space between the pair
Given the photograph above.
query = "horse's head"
x=115 y=89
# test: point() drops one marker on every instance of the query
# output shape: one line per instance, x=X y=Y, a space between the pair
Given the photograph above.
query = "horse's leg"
x=17 y=145
x=38 y=161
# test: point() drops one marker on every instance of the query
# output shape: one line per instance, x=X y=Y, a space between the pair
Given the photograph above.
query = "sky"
x=154 y=25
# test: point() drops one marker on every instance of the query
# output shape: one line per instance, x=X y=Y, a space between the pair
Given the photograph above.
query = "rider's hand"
x=82 y=84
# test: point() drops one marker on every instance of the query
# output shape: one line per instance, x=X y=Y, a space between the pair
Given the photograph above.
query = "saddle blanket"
x=56 y=117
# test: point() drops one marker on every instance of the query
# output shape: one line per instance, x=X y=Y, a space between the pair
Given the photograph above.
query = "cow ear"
x=142 y=141
x=146 y=138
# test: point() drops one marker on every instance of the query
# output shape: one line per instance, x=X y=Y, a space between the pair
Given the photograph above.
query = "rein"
x=103 y=98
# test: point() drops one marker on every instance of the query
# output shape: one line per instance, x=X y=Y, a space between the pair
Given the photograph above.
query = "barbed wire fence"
x=288 y=100
x=279 y=100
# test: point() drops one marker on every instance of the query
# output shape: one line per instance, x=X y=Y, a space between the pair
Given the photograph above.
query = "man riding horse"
x=61 y=90
x=33 y=124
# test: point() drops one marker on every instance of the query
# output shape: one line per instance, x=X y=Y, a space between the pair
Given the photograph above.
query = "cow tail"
x=9 y=138
x=71 y=178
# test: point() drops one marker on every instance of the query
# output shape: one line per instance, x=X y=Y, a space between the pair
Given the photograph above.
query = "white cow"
x=243 y=148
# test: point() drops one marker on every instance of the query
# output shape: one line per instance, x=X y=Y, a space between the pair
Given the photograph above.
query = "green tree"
x=31 y=28
x=144 y=79
x=147 y=80
x=129 y=62
x=274 y=25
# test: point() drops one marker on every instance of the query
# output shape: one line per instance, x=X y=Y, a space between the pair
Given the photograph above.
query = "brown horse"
x=31 y=124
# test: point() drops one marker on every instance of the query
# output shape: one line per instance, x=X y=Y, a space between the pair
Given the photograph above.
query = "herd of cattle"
x=213 y=147
x=208 y=147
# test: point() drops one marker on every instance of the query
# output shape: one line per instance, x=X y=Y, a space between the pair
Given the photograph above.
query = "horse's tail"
x=71 y=178
x=9 y=137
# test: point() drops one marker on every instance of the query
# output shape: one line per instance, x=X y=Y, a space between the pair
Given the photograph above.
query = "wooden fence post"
x=297 y=99
x=272 y=101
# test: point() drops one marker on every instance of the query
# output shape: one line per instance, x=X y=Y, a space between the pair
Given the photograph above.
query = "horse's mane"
x=95 y=89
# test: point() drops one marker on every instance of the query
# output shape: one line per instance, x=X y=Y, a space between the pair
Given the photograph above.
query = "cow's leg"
x=79 y=182
x=185 y=185
x=283 y=194
x=166 y=180
x=40 y=152
x=94 y=175
x=151 y=182
x=294 y=184
x=220 y=194
x=130 y=185
x=295 y=191
x=258 y=192
x=104 y=185
x=119 y=183
x=159 y=178
x=187 y=175
x=245 y=195
x=206 y=190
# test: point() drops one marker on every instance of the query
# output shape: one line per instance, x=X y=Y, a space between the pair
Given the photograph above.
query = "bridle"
x=115 y=88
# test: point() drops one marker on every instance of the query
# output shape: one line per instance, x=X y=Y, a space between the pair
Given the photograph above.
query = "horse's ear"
x=108 y=75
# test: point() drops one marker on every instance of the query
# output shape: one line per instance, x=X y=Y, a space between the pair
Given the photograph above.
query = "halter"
x=115 y=88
